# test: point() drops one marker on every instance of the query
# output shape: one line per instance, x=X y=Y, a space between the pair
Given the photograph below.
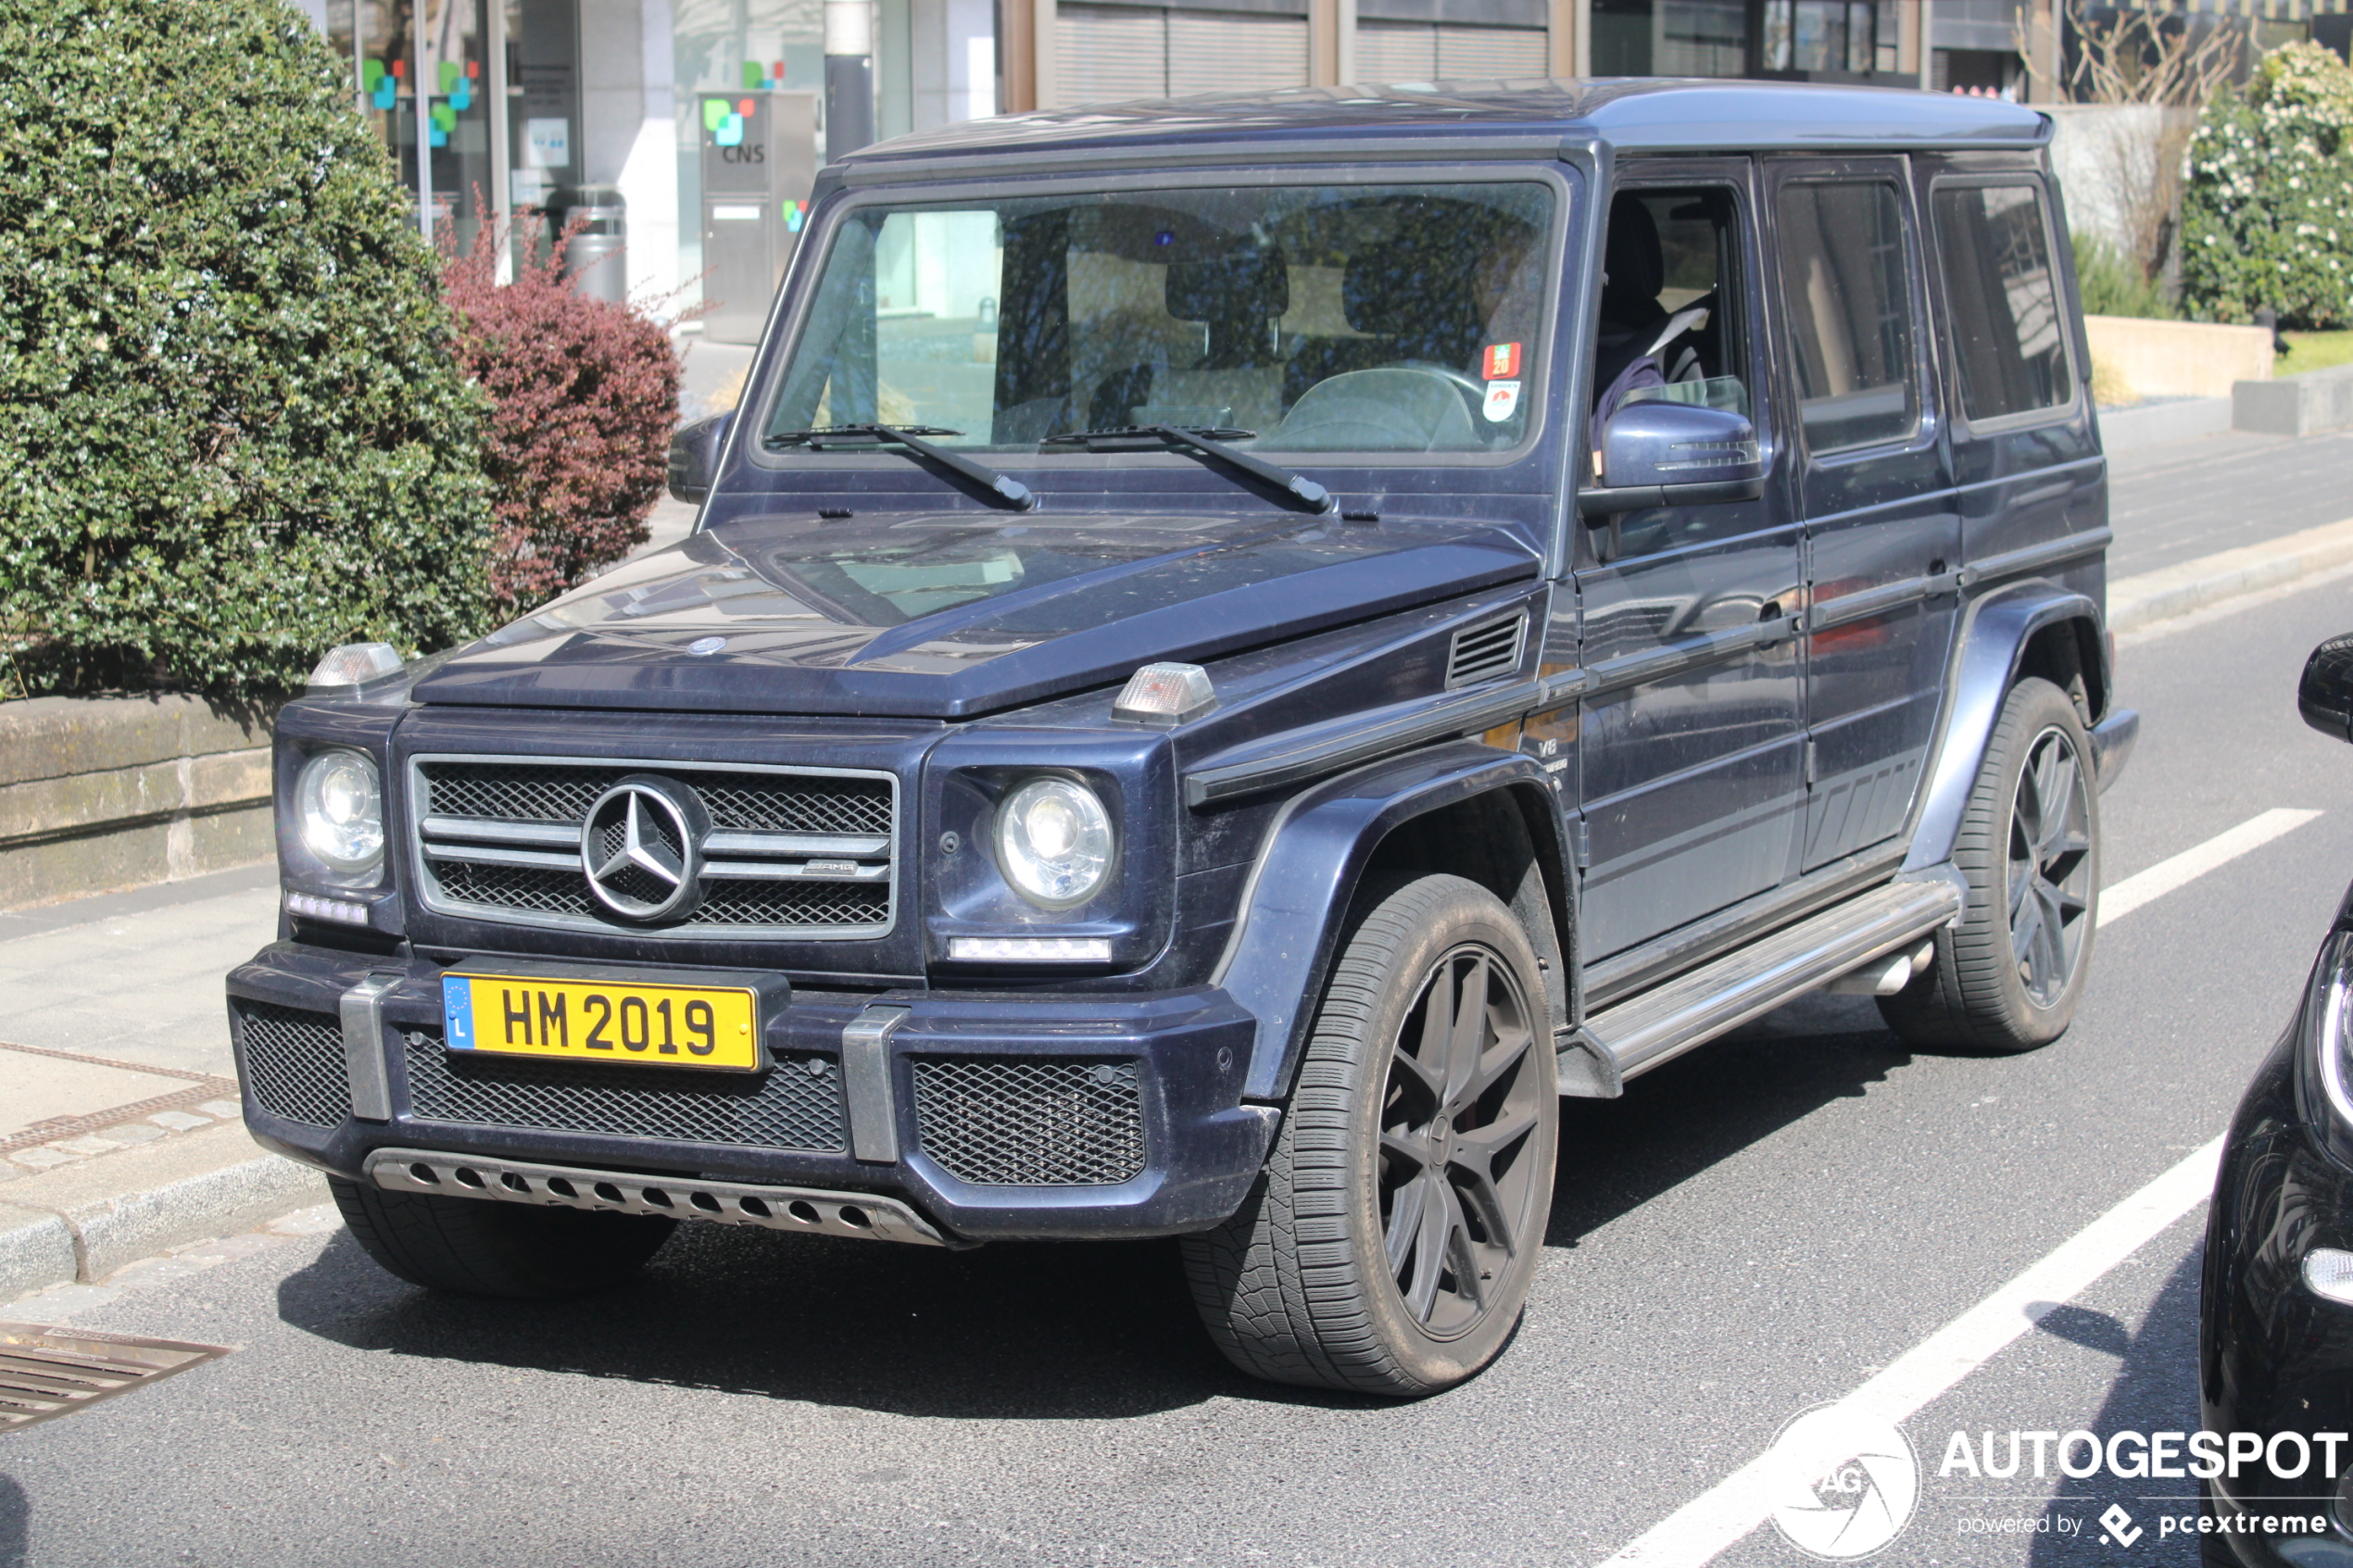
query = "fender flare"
x=1307 y=874
x=1993 y=644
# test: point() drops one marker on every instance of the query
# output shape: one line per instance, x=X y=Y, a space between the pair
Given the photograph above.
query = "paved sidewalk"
x=120 y=1128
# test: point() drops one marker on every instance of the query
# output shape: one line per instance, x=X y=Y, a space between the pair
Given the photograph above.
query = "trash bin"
x=592 y=257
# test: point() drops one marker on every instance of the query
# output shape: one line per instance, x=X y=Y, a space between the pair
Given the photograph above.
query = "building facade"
x=704 y=117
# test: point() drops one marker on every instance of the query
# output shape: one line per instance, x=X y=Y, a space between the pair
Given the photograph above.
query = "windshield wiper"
x=1003 y=487
x=1209 y=441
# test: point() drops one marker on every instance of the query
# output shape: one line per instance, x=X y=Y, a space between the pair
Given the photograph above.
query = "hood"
x=947 y=617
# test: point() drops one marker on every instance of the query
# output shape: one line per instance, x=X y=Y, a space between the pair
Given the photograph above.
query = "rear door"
x=1882 y=530
x=2033 y=486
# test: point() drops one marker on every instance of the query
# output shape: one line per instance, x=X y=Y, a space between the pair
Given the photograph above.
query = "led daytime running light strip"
x=312 y=907
x=2333 y=1022
x=1030 y=949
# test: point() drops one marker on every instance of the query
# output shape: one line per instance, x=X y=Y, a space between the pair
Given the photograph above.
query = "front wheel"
x=1390 y=1245
x=2009 y=974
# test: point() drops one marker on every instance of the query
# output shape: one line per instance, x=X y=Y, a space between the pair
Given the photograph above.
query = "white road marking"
x=2123 y=897
x=1711 y=1523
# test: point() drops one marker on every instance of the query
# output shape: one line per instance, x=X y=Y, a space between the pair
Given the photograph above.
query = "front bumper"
x=1040 y=1115
x=2275 y=1358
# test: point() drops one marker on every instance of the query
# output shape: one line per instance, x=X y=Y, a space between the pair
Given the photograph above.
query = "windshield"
x=1316 y=318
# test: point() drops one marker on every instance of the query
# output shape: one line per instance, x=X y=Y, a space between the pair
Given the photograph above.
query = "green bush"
x=232 y=433
x=2267 y=218
x=2113 y=286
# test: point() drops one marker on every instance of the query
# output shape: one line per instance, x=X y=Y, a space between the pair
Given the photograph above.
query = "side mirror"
x=693 y=457
x=2325 y=693
x=1661 y=454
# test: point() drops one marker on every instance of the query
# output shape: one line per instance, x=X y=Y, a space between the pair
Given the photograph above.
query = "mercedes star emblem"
x=641 y=846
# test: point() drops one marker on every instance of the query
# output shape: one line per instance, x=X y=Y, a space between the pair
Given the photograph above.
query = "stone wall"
x=2176 y=359
x=106 y=793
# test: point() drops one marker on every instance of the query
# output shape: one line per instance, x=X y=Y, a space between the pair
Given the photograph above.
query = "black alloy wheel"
x=1454 y=1200
x=2008 y=973
x=1390 y=1245
x=2050 y=867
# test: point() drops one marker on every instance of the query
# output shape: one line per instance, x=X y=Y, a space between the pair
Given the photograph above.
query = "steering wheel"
x=1408 y=406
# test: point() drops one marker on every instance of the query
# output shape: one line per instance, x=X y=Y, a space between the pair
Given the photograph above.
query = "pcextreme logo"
x=1843 y=1482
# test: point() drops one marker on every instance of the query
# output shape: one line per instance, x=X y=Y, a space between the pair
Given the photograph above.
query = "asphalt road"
x=2174 y=502
x=1754 y=1229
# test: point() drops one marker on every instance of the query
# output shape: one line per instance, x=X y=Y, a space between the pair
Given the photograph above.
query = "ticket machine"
x=759 y=164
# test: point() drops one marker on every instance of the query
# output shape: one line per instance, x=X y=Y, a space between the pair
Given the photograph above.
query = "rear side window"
x=2007 y=338
x=1850 y=312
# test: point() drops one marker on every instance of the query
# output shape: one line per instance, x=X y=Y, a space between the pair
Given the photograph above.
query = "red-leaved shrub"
x=586 y=397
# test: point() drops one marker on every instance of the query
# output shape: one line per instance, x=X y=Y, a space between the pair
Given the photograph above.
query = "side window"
x=1670 y=302
x=2008 y=339
x=1850 y=312
x=1673 y=329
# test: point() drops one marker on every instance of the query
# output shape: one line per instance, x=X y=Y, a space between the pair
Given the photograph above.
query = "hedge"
x=2267 y=218
x=231 y=429
x=585 y=395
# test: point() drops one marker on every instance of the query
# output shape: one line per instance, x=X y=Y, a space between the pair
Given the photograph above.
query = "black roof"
x=1628 y=114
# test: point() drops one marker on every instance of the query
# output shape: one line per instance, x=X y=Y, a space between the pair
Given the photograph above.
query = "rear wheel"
x=1390 y=1245
x=478 y=1247
x=2007 y=976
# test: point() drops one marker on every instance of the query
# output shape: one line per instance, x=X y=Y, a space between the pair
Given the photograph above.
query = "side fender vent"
x=1482 y=653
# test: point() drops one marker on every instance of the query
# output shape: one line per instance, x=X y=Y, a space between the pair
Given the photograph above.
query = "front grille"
x=525 y=888
x=1030 y=1121
x=795 y=1104
x=512 y=791
x=294 y=1063
x=793 y=852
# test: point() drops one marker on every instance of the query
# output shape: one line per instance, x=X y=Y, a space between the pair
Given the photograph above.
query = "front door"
x=1690 y=754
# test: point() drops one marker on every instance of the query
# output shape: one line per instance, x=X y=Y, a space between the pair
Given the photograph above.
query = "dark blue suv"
x=1234 y=651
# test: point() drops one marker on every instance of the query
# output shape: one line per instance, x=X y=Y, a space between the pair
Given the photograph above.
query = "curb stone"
x=36 y=1249
x=2135 y=602
x=80 y=1222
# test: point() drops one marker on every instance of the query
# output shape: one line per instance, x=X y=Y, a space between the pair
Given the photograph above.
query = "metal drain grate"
x=46 y=1373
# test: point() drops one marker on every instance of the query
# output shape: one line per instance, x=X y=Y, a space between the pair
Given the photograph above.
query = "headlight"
x=340 y=806
x=1054 y=842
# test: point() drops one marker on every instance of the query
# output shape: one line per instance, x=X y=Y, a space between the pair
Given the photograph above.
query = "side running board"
x=1662 y=1024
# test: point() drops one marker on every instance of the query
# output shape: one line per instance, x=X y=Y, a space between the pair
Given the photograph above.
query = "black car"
x=1235 y=651
x=2275 y=1317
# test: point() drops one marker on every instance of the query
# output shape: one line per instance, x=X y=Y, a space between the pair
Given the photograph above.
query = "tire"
x=479 y=1247
x=1299 y=1286
x=2007 y=976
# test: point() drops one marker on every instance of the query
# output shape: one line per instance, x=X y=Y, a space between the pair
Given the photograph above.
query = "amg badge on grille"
x=641 y=846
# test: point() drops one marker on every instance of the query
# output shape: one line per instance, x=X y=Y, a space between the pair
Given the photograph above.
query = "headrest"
x=1636 y=267
x=1251 y=283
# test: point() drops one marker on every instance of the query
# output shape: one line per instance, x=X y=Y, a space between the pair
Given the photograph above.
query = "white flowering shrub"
x=2267 y=214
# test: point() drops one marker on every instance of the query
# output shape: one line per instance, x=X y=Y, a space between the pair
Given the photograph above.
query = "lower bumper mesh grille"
x=796 y=1105
x=1031 y=1121
x=294 y=1063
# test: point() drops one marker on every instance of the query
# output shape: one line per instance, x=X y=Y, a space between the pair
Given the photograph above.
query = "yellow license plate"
x=602 y=1020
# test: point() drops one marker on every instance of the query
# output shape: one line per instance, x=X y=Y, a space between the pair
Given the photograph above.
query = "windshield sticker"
x=1503 y=362
x=1502 y=399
